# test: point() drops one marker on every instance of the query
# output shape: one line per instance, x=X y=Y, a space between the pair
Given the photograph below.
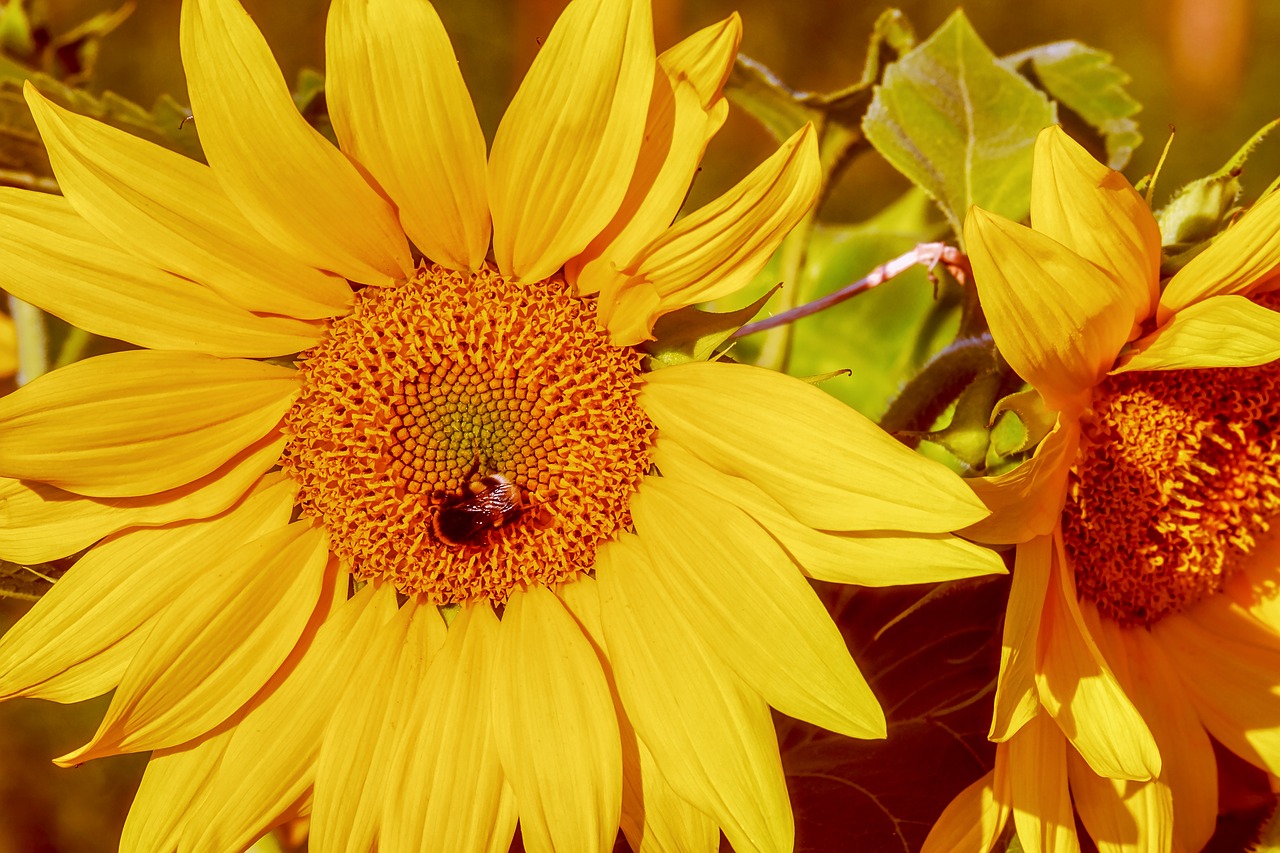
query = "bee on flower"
x=269 y=590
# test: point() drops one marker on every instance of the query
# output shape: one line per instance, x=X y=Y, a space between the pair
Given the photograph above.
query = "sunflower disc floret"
x=426 y=387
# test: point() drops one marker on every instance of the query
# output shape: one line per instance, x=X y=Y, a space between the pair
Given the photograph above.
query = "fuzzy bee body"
x=487 y=504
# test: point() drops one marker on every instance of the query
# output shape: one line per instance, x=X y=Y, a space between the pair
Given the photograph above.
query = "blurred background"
x=1204 y=67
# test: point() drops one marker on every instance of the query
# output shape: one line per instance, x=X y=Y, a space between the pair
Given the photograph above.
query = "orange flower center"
x=1175 y=483
x=461 y=436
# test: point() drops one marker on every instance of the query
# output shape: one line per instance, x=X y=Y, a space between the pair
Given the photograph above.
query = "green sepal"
x=689 y=334
x=21 y=151
x=968 y=436
x=1029 y=423
x=958 y=124
x=784 y=110
x=1082 y=79
x=1199 y=211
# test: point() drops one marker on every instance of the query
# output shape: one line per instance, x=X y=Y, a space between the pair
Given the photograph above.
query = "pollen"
x=429 y=387
x=1174 y=485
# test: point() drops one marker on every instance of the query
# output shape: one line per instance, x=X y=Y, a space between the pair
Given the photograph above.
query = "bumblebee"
x=485 y=504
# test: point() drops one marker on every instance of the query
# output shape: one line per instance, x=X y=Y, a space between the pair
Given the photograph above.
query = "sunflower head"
x=415 y=540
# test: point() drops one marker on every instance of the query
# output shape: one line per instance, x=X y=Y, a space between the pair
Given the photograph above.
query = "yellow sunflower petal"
x=39 y=522
x=1053 y=314
x=684 y=701
x=719 y=248
x=1094 y=212
x=1190 y=770
x=1229 y=664
x=216 y=645
x=175 y=780
x=1121 y=816
x=1255 y=585
x=1241 y=257
x=1218 y=331
x=138 y=422
x=8 y=347
x=447 y=745
x=666 y=822
x=171 y=211
x=565 y=150
x=867 y=559
x=299 y=191
x=716 y=568
x=79 y=637
x=53 y=258
x=1039 y=794
x=975 y=819
x=654 y=819
x=1016 y=699
x=685 y=111
x=270 y=762
x=389 y=64
x=1080 y=692
x=1027 y=501
x=555 y=727
x=826 y=464
x=352 y=778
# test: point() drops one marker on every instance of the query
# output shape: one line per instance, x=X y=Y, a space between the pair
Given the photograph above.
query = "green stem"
x=33 y=339
x=74 y=346
x=934 y=388
x=775 y=349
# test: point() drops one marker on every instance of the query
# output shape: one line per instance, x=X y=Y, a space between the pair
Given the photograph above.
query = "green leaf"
x=21 y=150
x=1083 y=80
x=958 y=124
x=757 y=90
x=693 y=335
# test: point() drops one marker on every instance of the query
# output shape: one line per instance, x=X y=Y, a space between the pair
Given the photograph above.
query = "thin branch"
x=927 y=254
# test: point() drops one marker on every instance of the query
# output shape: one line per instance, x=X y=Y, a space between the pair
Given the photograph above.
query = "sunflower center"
x=1174 y=485
x=461 y=436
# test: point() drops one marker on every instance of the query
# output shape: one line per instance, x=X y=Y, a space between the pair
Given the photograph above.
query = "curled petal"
x=1052 y=313
x=1237 y=261
x=1218 y=331
x=719 y=248
x=685 y=111
x=1094 y=212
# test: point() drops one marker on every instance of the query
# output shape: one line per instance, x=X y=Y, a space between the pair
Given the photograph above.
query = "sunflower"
x=421 y=547
x=1142 y=620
